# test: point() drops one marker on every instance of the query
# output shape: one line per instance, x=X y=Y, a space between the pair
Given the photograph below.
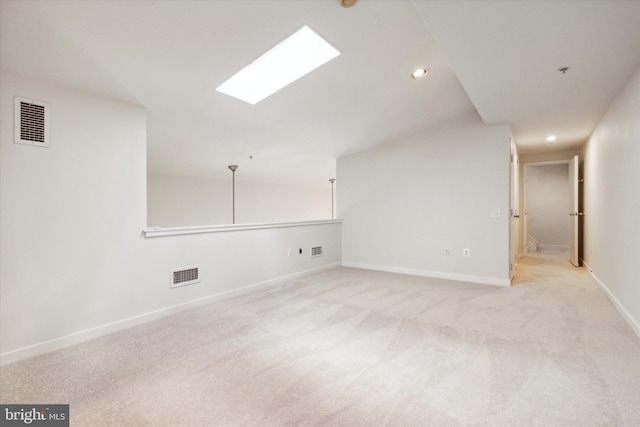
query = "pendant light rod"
x=233 y=169
x=332 y=180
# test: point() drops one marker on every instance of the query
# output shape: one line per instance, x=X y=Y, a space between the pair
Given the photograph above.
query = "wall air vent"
x=31 y=122
x=185 y=276
x=317 y=251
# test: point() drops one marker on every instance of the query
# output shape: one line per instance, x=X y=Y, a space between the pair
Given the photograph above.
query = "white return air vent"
x=185 y=276
x=31 y=122
x=317 y=251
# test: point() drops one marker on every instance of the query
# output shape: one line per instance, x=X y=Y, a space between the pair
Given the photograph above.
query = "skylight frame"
x=270 y=73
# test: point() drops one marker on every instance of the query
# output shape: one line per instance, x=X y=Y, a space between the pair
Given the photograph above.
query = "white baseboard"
x=435 y=274
x=89 y=334
x=635 y=325
x=552 y=248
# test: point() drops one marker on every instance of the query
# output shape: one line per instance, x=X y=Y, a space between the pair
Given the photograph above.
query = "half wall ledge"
x=179 y=231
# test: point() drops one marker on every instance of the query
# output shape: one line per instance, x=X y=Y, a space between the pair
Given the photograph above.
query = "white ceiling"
x=499 y=58
x=507 y=55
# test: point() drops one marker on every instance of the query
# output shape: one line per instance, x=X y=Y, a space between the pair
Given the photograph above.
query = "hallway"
x=549 y=265
x=589 y=336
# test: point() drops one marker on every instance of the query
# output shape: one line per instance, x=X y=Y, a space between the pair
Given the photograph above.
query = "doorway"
x=547 y=198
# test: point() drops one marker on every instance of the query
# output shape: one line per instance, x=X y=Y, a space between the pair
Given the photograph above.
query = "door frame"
x=575 y=240
x=514 y=208
x=525 y=234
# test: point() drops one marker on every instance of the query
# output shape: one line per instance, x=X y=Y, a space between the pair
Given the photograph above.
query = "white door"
x=573 y=212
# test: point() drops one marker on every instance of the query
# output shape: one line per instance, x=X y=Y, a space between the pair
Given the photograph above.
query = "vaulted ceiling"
x=497 y=57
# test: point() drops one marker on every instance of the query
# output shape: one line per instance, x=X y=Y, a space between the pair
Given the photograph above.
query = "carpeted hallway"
x=349 y=347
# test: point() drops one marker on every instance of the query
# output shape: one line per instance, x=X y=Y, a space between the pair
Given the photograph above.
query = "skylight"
x=298 y=55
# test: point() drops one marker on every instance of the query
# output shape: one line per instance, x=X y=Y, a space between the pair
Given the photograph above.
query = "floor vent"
x=31 y=122
x=185 y=276
x=317 y=251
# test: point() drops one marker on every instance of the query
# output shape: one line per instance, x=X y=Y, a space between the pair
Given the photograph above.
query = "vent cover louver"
x=31 y=122
x=185 y=276
x=317 y=251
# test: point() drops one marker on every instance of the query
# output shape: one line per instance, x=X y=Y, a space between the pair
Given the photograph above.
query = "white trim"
x=635 y=325
x=552 y=247
x=176 y=231
x=549 y=162
x=89 y=334
x=435 y=274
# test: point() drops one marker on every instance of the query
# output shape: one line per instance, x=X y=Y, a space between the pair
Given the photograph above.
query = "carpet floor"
x=349 y=347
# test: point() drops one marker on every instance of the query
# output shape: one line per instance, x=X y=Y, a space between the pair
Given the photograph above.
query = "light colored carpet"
x=348 y=347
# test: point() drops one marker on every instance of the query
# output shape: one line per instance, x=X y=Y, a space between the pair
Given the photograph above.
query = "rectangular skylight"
x=298 y=55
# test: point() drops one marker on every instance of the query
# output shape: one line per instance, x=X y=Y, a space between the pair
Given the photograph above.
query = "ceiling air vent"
x=317 y=251
x=185 y=276
x=32 y=122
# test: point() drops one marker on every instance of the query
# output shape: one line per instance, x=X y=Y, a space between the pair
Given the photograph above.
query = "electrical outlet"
x=495 y=213
x=446 y=251
x=466 y=252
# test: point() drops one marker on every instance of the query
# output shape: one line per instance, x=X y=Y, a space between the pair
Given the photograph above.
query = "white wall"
x=405 y=202
x=547 y=198
x=74 y=263
x=181 y=200
x=612 y=201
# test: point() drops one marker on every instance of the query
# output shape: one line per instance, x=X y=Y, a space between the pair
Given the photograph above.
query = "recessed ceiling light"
x=298 y=55
x=551 y=138
x=419 y=73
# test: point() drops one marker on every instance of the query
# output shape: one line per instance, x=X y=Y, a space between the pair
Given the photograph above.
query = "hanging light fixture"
x=332 y=181
x=233 y=169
